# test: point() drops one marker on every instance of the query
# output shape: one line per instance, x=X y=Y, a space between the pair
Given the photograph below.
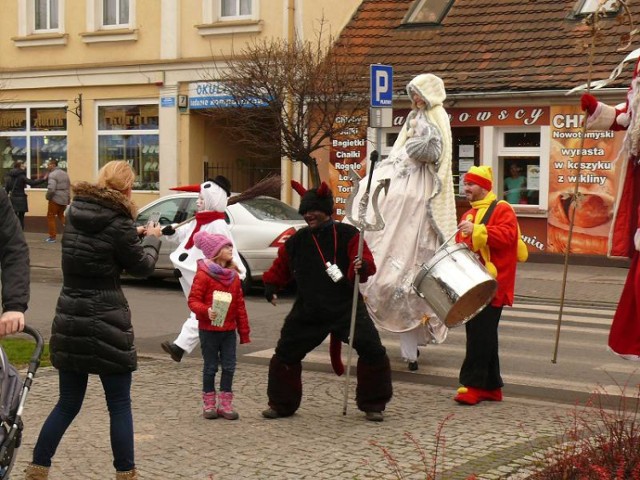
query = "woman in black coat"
x=15 y=184
x=92 y=331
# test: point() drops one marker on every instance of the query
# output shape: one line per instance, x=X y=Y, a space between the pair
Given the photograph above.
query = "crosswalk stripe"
x=554 y=316
x=565 y=309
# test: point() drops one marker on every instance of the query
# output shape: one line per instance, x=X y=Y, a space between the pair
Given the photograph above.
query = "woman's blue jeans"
x=73 y=386
x=218 y=348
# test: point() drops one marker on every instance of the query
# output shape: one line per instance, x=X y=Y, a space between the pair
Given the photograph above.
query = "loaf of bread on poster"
x=590 y=209
x=593 y=204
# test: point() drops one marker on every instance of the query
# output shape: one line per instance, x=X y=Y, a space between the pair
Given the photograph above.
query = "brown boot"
x=36 y=472
x=129 y=475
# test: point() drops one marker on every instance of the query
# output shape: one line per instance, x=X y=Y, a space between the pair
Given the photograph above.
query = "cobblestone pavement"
x=173 y=441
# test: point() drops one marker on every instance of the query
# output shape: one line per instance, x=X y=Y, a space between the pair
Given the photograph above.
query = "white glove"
x=636 y=239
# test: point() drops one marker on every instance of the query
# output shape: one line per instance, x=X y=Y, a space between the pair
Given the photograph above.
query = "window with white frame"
x=587 y=7
x=110 y=21
x=518 y=178
x=131 y=133
x=40 y=23
x=45 y=15
x=232 y=9
x=224 y=17
x=427 y=11
x=116 y=13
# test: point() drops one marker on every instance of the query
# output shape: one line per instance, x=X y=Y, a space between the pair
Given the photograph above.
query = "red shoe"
x=472 y=395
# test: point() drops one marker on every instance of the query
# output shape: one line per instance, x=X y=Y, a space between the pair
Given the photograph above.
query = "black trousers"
x=481 y=366
x=300 y=335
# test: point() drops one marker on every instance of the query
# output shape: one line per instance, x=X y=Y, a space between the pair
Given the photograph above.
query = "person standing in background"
x=58 y=195
x=15 y=184
x=515 y=186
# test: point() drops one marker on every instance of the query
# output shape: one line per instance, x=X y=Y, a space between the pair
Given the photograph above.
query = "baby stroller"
x=13 y=394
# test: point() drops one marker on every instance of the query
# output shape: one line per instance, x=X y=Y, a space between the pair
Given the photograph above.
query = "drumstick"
x=447 y=240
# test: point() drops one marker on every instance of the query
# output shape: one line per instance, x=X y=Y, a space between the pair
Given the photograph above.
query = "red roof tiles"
x=485 y=46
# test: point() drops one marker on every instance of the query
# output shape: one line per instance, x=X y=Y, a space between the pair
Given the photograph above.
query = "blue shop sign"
x=214 y=95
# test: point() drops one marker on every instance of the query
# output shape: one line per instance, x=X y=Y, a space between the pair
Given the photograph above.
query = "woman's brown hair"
x=117 y=175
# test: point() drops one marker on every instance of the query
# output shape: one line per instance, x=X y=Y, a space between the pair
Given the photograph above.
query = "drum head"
x=471 y=303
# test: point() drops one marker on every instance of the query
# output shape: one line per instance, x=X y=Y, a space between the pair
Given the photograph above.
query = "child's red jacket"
x=201 y=298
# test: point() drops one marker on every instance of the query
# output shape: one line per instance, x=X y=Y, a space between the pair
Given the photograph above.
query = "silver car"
x=259 y=227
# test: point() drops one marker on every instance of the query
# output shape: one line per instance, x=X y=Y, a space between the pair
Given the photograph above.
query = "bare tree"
x=287 y=99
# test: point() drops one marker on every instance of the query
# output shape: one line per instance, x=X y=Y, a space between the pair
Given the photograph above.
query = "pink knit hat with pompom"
x=211 y=243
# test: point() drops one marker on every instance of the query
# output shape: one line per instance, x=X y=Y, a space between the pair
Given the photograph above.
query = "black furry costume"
x=323 y=307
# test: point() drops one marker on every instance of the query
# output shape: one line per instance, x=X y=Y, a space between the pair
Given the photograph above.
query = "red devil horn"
x=323 y=190
x=298 y=188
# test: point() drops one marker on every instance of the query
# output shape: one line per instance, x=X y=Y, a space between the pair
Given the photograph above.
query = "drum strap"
x=488 y=213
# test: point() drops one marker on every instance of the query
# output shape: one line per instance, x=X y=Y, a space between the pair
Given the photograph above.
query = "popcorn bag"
x=220 y=305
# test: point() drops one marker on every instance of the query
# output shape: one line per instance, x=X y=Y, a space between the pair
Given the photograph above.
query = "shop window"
x=518 y=173
x=130 y=132
x=35 y=141
x=428 y=12
x=466 y=153
x=521 y=181
x=521 y=139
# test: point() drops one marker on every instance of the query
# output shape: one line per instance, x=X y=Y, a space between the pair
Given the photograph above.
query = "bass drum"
x=455 y=284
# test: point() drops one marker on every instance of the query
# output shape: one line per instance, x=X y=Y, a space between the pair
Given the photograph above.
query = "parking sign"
x=381 y=85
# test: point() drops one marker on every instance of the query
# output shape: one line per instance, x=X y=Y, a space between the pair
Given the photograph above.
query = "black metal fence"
x=240 y=176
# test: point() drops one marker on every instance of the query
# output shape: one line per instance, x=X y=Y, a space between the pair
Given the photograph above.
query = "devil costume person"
x=323 y=306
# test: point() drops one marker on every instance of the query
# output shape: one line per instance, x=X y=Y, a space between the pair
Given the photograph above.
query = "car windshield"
x=267 y=208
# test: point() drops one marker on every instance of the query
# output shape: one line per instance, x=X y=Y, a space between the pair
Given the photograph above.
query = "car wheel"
x=247 y=283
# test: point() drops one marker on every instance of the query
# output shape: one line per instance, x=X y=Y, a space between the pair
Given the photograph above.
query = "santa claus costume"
x=624 y=238
x=210 y=218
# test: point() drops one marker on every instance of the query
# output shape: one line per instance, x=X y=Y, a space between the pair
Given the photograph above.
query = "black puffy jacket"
x=14 y=260
x=92 y=329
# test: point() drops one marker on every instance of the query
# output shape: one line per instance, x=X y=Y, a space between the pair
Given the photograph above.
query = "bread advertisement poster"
x=593 y=167
x=347 y=151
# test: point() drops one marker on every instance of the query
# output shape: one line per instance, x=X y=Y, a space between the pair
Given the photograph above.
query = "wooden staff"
x=356 y=281
x=576 y=193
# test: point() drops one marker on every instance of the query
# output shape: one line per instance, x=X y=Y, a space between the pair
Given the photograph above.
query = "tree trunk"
x=315 y=173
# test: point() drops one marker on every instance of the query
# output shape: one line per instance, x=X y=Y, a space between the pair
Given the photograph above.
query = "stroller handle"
x=34 y=363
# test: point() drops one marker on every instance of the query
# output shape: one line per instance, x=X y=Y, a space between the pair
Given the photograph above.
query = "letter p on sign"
x=381 y=85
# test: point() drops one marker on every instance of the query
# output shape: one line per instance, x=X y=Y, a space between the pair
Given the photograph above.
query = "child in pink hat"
x=217 y=301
